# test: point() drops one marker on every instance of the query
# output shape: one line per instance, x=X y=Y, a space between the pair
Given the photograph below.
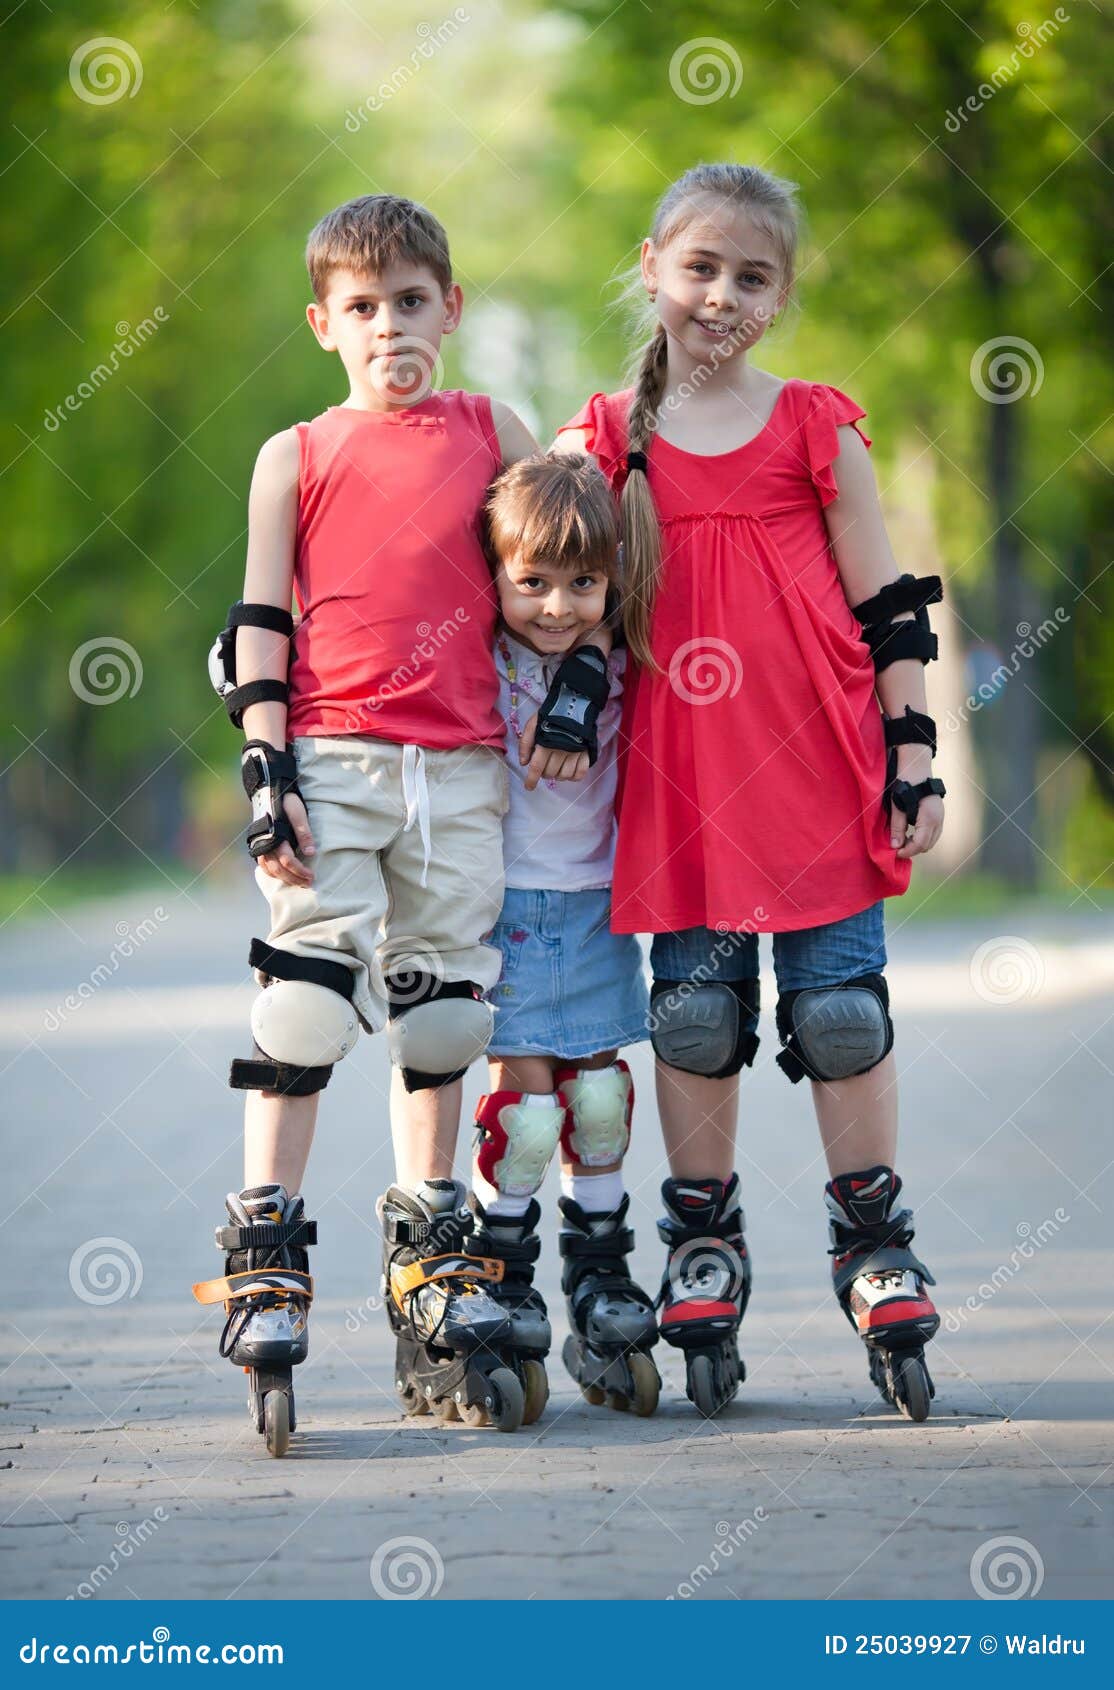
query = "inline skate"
x=881 y=1285
x=454 y=1344
x=612 y=1319
x=513 y=1240
x=266 y=1291
x=706 y=1285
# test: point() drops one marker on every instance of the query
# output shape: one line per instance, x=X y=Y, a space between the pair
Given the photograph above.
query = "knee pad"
x=436 y=1030
x=303 y=1022
x=701 y=1028
x=600 y=1101
x=515 y=1140
x=834 y=1032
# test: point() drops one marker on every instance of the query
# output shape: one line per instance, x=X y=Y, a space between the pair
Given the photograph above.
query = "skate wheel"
x=911 y=1388
x=255 y=1409
x=509 y=1408
x=647 y=1384
x=447 y=1411
x=276 y=1422
x=475 y=1414
x=537 y=1391
x=594 y=1394
x=702 y=1386
x=617 y=1402
x=412 y=1401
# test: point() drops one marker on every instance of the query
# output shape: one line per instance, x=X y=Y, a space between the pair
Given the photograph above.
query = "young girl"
x=571 y=992
x=776 y=771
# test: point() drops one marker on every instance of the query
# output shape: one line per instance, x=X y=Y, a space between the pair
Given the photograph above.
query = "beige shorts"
x=408 y=872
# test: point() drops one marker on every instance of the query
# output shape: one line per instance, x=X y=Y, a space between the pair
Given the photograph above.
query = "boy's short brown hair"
x=371 y=233
x=557 y=508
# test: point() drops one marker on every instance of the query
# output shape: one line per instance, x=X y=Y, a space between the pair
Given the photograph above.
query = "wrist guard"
x=569 y=713
x=268 y=775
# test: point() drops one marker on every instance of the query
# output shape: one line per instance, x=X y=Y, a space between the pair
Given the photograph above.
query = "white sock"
x=597 y=1194
x=493 y=1200
x=439 y=1195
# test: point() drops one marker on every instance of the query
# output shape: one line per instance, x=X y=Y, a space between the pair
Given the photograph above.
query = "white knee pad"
x=438 y=1039
x=302 y=1025
x=600 y=1102
x=516 y=1137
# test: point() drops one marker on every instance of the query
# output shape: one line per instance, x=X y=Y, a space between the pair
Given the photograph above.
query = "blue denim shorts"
x=812 y=956
x=569 y=987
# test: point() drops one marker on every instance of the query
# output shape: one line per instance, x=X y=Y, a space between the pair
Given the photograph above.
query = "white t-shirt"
x=561 y=836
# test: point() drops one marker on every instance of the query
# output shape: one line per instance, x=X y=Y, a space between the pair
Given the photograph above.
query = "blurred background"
x=160 y=182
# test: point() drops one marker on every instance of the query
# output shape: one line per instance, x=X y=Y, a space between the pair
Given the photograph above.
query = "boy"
x=376 y=718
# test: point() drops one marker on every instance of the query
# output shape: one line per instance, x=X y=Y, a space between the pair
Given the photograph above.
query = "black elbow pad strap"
x=913 y=728
x=222 y=660
x=889 y=640
x=568 y=716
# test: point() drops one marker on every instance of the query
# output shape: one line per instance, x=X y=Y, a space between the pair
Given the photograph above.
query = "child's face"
x=387 y=328
x=550 y=607
x=717 y=283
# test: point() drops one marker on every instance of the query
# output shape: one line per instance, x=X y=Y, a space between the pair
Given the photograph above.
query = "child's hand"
x=548 y=765
x=283 y=864
x=930 y=825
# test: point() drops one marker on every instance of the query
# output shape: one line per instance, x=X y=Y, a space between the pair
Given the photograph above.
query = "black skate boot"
x=266 y=1292
x=453 y=1338
x=513 y=1240
x=881 y=1285
x=706 y=1285
x=612 y=1319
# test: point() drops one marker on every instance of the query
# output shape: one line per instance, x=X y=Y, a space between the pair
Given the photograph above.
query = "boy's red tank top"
x=395 y=594
x=752 y=769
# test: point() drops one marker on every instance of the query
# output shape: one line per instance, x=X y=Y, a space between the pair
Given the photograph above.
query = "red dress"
x=752 y=770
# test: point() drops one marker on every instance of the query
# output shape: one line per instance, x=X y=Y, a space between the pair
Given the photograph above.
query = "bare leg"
x=698 y=1118
x=858 y=1119
x=278 y=1132
x=424 y=1128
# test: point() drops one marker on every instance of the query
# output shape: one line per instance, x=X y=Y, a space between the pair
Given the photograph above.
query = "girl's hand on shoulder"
x=930 y=825
x=545 y=764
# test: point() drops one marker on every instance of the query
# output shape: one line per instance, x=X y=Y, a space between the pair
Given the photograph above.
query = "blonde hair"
x=772 y=204
x=370 y=234
x=557 y=508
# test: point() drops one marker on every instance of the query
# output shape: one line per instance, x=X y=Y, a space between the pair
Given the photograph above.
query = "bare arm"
x=866 y=563
x=261 y=654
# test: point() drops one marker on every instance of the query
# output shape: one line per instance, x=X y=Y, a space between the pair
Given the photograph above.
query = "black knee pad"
x=700 y=1027
x=437 y=1028
x=286 y=1070
x=834 y=1032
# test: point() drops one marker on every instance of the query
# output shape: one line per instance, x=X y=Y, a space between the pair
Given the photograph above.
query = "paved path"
x=129 y=1464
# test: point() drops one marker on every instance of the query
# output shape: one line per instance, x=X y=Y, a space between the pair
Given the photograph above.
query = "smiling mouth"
x=719 y=330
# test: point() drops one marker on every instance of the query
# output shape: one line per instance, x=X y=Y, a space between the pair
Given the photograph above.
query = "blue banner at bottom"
x=341 y=1643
